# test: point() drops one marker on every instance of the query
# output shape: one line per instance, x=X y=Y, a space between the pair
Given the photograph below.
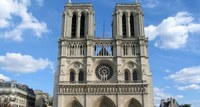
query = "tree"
x=5 y=102
x=186 y=105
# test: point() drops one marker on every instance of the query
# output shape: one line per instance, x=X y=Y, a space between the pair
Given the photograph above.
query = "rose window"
x=104 y=72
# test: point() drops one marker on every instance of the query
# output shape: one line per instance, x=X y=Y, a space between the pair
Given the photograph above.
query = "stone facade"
x=103 y=72
x=42 y=99
x=16 y=95
x=171 y=102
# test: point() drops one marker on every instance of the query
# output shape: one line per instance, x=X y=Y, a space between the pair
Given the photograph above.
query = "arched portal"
x=104 y=102
x=75 y=103
x=134 y=103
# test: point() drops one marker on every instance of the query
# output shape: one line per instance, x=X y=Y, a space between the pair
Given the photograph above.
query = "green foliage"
x=186 y=105
x=5 y=103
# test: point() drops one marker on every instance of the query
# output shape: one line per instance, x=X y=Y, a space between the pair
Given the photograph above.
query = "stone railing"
x=101 y=82
x=103 y=88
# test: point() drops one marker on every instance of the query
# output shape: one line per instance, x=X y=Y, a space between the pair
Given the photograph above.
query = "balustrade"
x=138 y=88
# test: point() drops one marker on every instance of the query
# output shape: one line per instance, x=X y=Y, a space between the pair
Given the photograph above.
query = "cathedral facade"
x=103 y=72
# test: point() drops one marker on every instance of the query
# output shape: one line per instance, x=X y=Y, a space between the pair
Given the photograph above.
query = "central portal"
x=104 y=102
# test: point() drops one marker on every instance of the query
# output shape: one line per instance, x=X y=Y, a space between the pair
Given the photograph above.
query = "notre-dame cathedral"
x=103 y=72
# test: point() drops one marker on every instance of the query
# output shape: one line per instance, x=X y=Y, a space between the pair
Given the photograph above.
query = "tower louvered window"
x=82 y=27
x=132 y=25
x=124 y=25
x=73 y=32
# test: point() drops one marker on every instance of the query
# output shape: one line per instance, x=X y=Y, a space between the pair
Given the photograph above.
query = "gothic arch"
x=124 y=33
x=75 y=103
x=72 y=75
x=74 y=25
x=81 y=76
x=127 y=75
x=85 y=12
x=136 y=75
x=132 y=25
x=82 y=25
x=76 y=66
x=133 y=103
x=130 y=65
x=104 y=101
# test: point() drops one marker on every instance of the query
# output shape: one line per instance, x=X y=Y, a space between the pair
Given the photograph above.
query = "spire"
x=69 y=1
x=136 y=1
x=104 y=29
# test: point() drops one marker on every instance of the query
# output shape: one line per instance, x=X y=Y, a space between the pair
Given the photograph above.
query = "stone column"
x=140 y=24
x=76 y=76
x=128 y=33
x=120 y=23
x=66 y=49
x=92 y=21
x=63 y=24
x=68 y=25
x=117 y=24
x=88 y=24
x=78 y=26
x=136 y=25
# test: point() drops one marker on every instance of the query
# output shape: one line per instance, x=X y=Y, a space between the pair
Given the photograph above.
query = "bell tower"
x=78 y=28
x=78 y=21
x=128 y=21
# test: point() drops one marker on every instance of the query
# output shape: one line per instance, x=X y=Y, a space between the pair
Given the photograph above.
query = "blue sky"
x=29 y=31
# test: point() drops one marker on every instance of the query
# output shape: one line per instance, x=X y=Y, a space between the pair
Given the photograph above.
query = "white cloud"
x=150 y=3
x=189 y=87
x=160 y=94
x=12 y=29
x=17 y=63
x=173 y=32
x=187 y=75
x=40 y=2
x=5 y=78
x=167 y=71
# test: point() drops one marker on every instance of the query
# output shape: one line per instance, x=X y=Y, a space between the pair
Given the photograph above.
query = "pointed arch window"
x=135 y=76
x=126 y=76
x=133 y=48
x=125 y=49
x=132 y=25
x=73 y=30
x=124 y=25
x=72 y=76
x=81 y=76
x=82 y=50
x=82 y=27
